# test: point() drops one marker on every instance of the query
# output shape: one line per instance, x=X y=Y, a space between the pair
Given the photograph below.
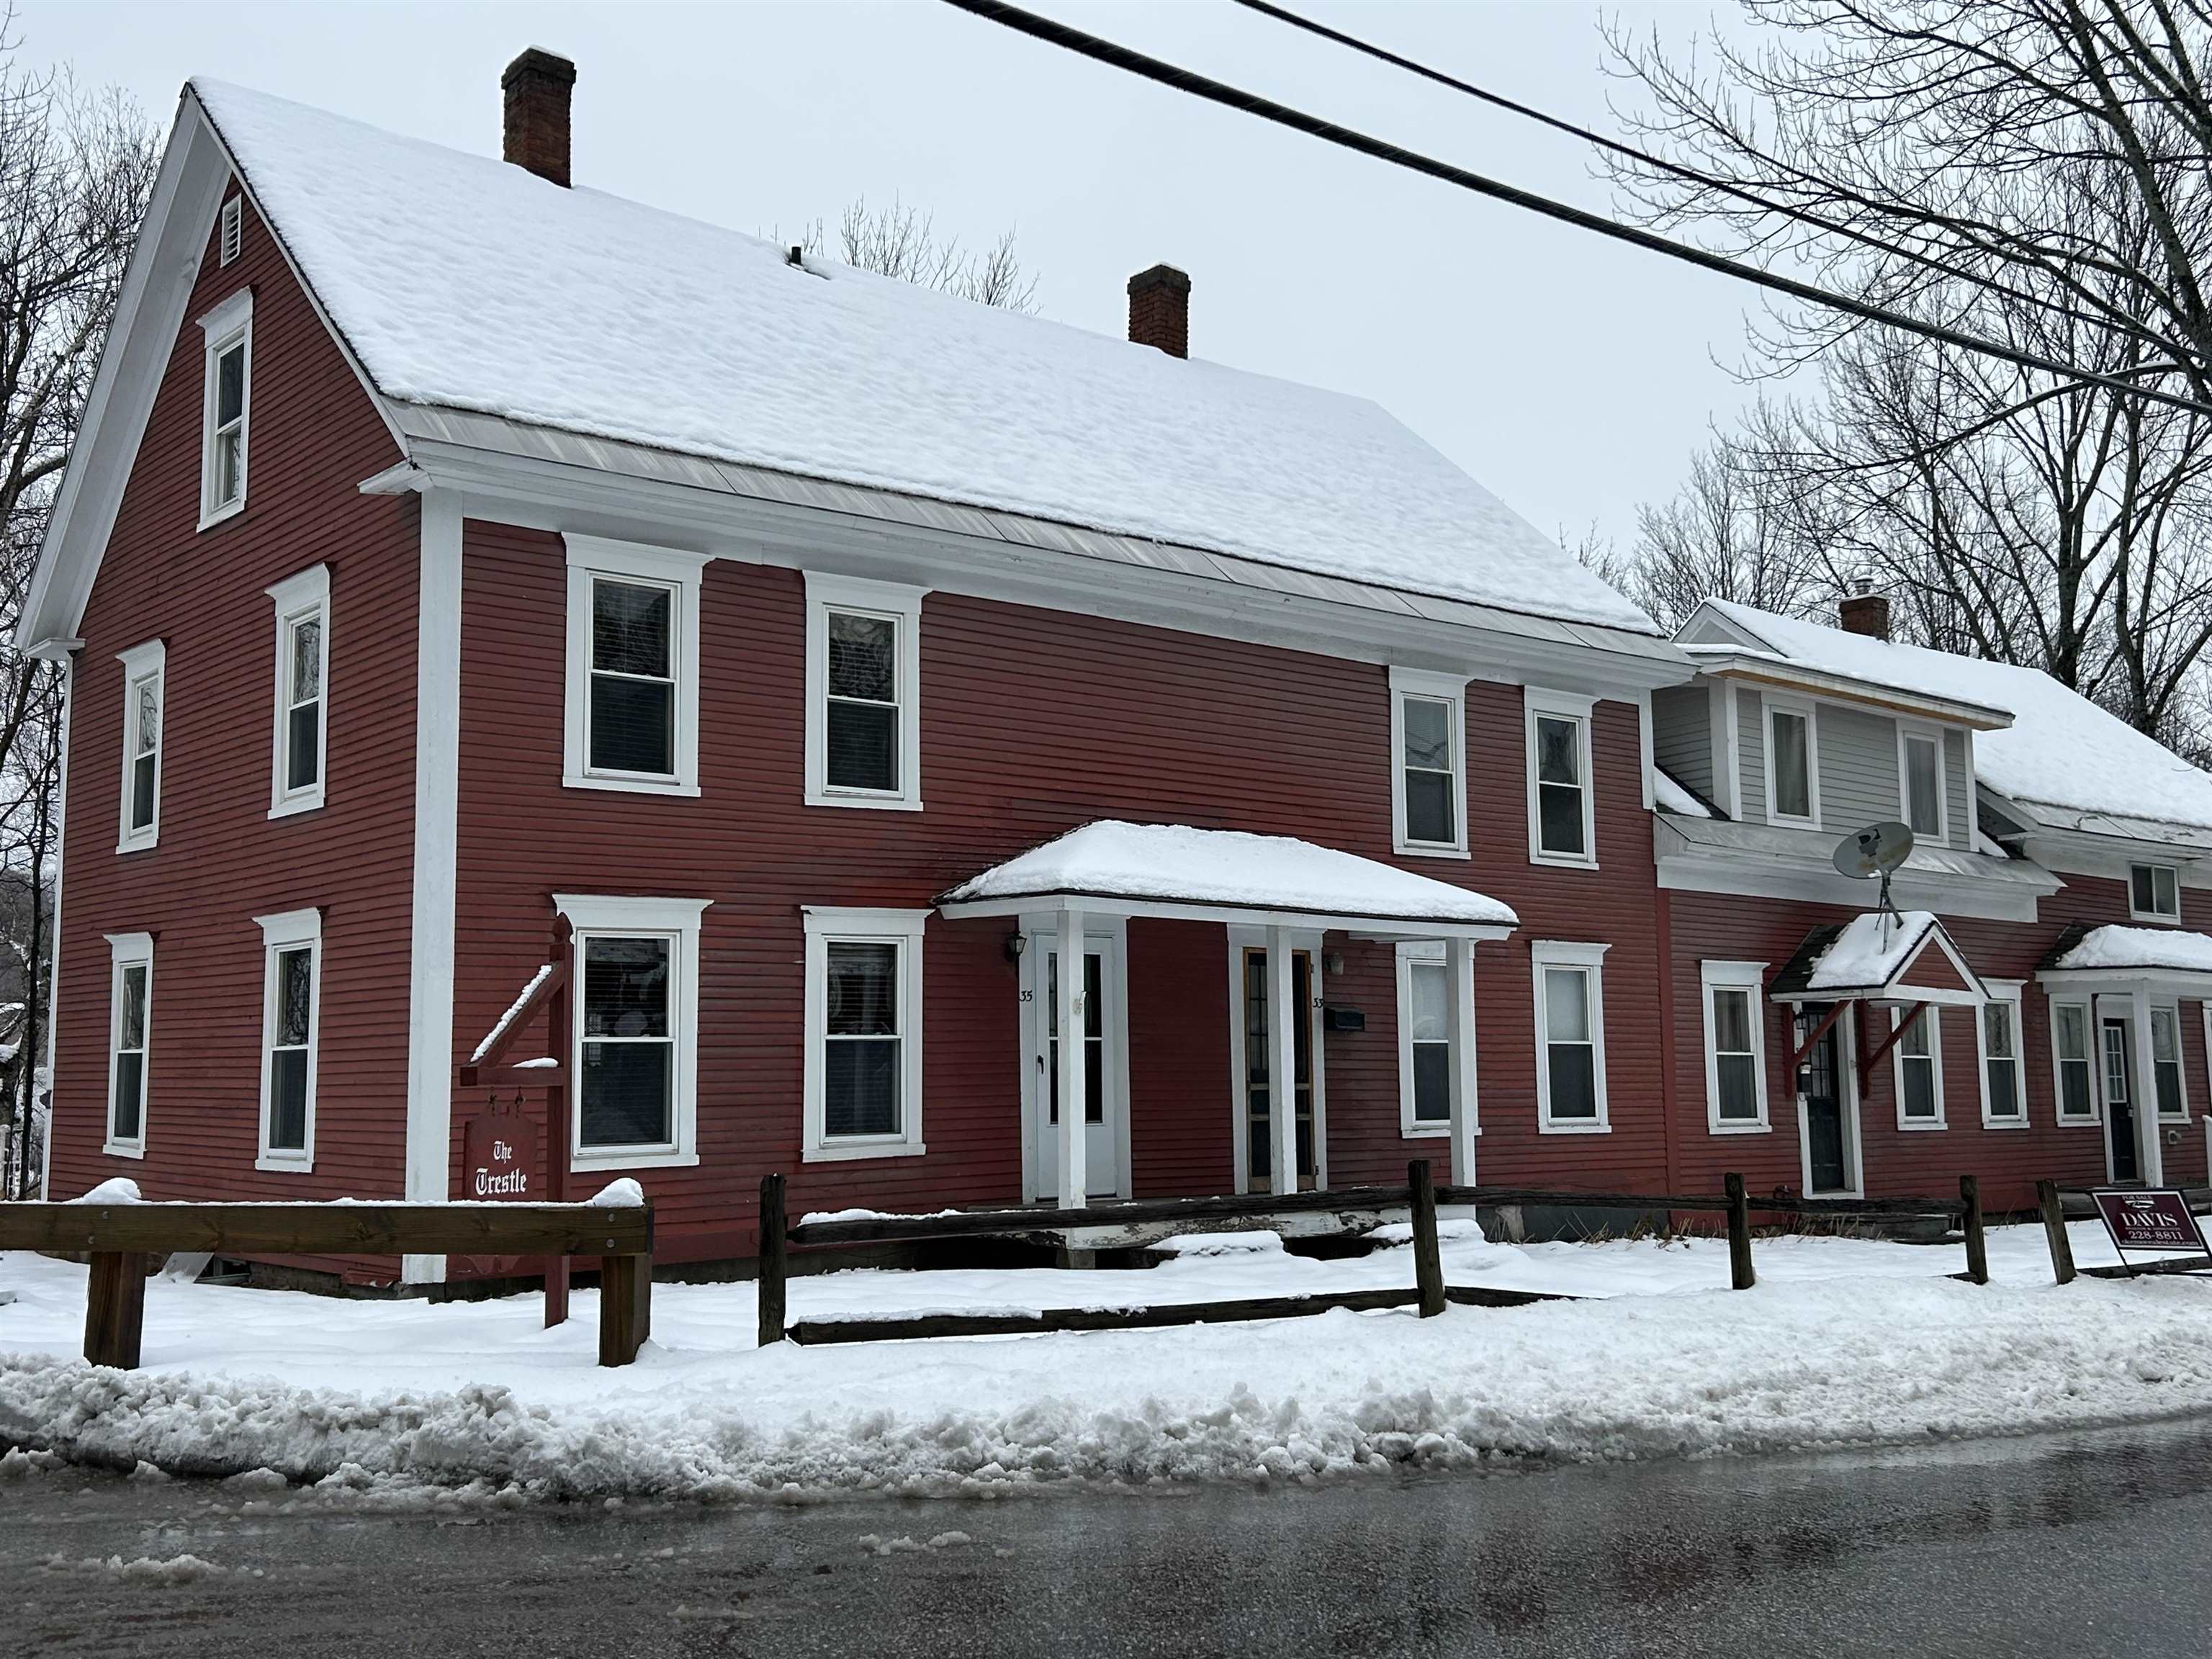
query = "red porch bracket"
x=1867 y=1065
x=1827 y=1024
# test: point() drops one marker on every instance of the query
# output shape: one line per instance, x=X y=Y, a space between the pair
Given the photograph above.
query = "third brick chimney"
x=1159 y=310
x=537 y=85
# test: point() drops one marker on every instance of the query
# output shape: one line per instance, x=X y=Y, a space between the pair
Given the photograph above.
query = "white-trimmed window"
x=1425 y=1037
x=1921 y=796
x=1793 y=763
x=634 y=1049
x=233 y=230
x=862 y=1086
x=291 y=996
x=1570 y=998
x=303 y=624
x=226 y=407
x=1917 y=1059
x=1562 y=816
x=632 y=719
x=1735 y=1047
x=863 y=693
x=2153 y=892
x=144 y=679
x=2165 y=1064
x=2004 y=1094
x=130 y=1025
x=1428 y=747
x=2073 y=1061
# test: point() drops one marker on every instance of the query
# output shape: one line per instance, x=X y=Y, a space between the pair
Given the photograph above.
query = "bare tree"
x=901 y=242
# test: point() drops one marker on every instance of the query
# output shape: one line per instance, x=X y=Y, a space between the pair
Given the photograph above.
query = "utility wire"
x=1250 y=103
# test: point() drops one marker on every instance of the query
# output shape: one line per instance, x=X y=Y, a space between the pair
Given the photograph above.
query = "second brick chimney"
x=537 y=85
x=1159 y=310
x=1864 y=611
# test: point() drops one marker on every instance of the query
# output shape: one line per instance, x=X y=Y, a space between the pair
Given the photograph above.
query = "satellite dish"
x=1876 y=850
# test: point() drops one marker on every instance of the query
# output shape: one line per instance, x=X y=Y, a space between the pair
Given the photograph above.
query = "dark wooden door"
x=2119 y=1099
x=1819 y=1082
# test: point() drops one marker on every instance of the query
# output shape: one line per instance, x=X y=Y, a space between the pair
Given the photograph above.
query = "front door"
x=1258 y=1091
x=1820 y=1087
x=1102 y=1101
x=2119 y=1098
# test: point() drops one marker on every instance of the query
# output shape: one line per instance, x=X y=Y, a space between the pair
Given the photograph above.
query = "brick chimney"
x=537 y=86
x=1864 y=611
x=1159 y=310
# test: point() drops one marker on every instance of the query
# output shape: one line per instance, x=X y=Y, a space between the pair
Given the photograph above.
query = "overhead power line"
x=1267 y=109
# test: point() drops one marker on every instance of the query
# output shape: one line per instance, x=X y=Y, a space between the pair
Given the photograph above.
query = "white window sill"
x=1920 y=1124
x=1812 y=825
x=1574 y=1129
x=116 y=1149
x=209 y=521
x=2081 y=1122
x=137 y=844
x=1430 y=1131
x=851 y=1151
x=630 y=785
x=2180 y=1120
x=642 y=1157
x=1562 y=861
x=297 y=804
x=2004 y=1123
x=284 y=1164
x=1428 y=849
x=2155 y=922
x=867 y=803
x=1740 y=1128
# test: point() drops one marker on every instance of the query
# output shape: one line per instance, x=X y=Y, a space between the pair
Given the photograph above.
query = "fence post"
x=1740 y=1276
x=1428 y=1263
x=773 y=1271
x=625 y=1307
x=115 y=1309
x=1977 y=1254
x=2054 y=1232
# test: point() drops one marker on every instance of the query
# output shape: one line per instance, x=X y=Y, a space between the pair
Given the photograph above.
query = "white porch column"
x=1459 y=1031
x=2150 y=1152
x=1068 y=1019
x=1282 y=1068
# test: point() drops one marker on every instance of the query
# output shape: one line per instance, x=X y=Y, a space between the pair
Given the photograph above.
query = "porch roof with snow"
x=2112 y=954
x=1173 y=870
x=1909 y=957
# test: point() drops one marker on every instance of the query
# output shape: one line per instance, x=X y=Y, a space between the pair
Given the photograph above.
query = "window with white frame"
x=863 y=693
x=1423 y=1038
x=1920 y=780
x=144 y=674
x=131 y=1006
x=233 y=230
x=303 y=606
x=292 y=950
x=228 y=333
x=2165 y=1063
x=862 y=1083
x=1570 y=998
x=1562 y=821
x=1793 y=777
x=2153 y=892
x=634 y=1047
x=1918 y=1059
x=1735 y=1046
x=632 y=720
x=2004 y=1100
x=1428 y=726
x=2073 y=1062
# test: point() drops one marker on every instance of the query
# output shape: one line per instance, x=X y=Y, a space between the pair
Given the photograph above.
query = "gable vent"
x=234 y=227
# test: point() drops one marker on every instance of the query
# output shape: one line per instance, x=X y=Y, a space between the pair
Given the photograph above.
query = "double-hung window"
x=633 y=693
x=131 y=1008
x=1562 y=819
x=2153 y=892
x=228 y=333
x=2073 y=1063
x=1919 y=1067
x=2004 y=1101
x=1793 y=763
x=1735 y=1047
x=863 y=693
x=634 y=1042
x=2165 y=1063
x=861 y=1094
x=291 y=997
x=1570 y=998
x=1424 y=1039
x=303 y=620
x=1921 y=781
x=1428 y=725
x=145 y=677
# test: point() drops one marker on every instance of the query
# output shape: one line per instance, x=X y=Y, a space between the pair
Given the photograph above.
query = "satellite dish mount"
x=1878 y=850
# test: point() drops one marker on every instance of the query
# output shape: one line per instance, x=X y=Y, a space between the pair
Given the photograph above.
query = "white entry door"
x=1105 y=1089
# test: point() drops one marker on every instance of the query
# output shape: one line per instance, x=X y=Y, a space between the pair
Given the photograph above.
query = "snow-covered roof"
x=2061 y=751
x=1671 y=797
x=1175 y=864
x=1872 y=956
x=2112 y=948
x=463 y=283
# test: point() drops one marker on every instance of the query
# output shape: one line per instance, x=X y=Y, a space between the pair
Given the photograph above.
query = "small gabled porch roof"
x=1905 y=958
x=1111 y=867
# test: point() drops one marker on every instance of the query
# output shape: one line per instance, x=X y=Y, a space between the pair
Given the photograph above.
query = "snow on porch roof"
x=1173 y=868
x=2130 y=949
x=1873 y=958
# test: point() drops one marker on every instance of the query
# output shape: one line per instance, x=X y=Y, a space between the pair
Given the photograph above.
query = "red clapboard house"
x=450 y=554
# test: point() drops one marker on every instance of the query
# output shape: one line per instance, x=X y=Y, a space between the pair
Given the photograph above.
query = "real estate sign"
x=2158 y=1220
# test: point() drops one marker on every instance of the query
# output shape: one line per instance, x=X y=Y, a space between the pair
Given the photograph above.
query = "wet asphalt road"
x=2083 y=1545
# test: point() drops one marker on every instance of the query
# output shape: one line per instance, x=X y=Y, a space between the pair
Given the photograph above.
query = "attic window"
x=233 y=227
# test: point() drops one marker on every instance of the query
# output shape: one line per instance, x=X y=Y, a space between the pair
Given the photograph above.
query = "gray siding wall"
x=1681 y=734
x=1858 y=768
x=1956 y=817
x=1750 y=761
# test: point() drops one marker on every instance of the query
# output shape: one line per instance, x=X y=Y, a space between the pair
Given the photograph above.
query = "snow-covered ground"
x=1844 y=1341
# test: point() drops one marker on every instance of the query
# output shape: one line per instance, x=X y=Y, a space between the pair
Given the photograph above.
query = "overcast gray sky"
x=1571 y=376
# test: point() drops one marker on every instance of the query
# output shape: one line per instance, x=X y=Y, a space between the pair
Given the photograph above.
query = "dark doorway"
x=2119 y=1099
x=1820 y=1086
